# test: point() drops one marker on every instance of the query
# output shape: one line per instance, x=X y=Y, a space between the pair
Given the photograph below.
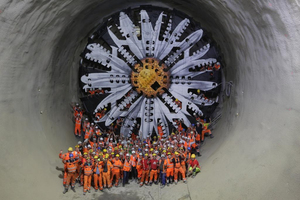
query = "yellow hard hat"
x=88 y=158
x=176 y=99
x=117 y=155
x=96 y=157
x=193 y=156
x=91 y=150
x=120 y=146
x=169 y=153
x=164 y=151
x=112 y=153
x=70 y=149
x=151 y=149
x=104 y=150
x=101 y=154
x=106 y=156
x=154 y=154
x=146 y=154
x=85 y=153
x=176 y=153
x=104 y=108
x=173 y=133
x=198 y=91
x=76 y=146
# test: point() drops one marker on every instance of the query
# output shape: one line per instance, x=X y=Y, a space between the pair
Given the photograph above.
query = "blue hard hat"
x=189 y=148
x=183 y=129
x=140 y=149
x=193 y=124
x=145 y=142
x=71 y=155
x=99 y=148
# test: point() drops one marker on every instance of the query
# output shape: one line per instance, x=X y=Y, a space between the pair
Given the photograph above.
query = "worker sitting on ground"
x=205 y=130
x=193 y=166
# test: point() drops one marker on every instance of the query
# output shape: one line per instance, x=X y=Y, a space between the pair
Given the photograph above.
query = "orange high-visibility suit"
x=170 y=168
x=106 y=174
x=71 y=168
x=139 y=168
x=98 y=174
x=78 y=126
x=160 y=131
x=178 y=168
x=116 y=171
x=88 y=172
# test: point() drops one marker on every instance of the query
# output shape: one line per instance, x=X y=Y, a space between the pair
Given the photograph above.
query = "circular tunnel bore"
x=255 y=154
x=150 y=66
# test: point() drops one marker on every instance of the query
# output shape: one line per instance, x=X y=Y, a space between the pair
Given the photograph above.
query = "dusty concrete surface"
x=255 y=154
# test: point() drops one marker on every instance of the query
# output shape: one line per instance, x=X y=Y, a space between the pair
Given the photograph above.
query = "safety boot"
x=84 y=193
x=89 y=191
x=176 y=182
x=65 y=191
x=211 y=136
x=73 y=188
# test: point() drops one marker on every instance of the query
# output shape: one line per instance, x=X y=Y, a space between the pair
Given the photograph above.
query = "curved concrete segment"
x=255 y=154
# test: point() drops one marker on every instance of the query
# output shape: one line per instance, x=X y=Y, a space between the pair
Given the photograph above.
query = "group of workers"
x=104 y=158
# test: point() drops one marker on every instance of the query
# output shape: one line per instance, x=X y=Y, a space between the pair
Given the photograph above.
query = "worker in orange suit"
x=170 y=168
x=116 y=170
x=64 y=158
x=159 y=130
x=178 y=168
x=88 y=172
x=98 y=173
x=133 y=161
x=126 y=169
x=217 y=66
x=78 y=125
x=139 y=166
x=153 y=169
x=71 y=165
x=146 y=169
x=107 y=166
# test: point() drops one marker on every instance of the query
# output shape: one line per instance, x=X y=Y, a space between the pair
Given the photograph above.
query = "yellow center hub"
x=150 y=79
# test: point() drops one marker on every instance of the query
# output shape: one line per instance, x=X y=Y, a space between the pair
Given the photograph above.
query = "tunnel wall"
x=255 y=154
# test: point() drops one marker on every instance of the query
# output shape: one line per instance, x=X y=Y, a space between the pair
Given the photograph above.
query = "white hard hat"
x=147 y=145
x=111 y=139
x=79 y=142
x=127 y=154
x=101 y=138
x=92 y=124
x=133 y=151
x=163 y=155
x=86 y=119
x=89 y=146
x=146 y=149
x=140 y=154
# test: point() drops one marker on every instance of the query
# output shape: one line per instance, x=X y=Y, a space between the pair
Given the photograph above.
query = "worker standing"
x=133 y=161
x=178 y=168
x=145 y=173
x=98 y=171
x=88 y=171
x=116 y=170
x=78 y=125
x=162 y=170
x=170 y=169
x=71 y=165
x=107 y=166
x=153 y=169
x=126 y=169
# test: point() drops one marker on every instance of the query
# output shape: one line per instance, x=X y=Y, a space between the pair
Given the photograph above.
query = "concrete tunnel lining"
x=254 y=154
